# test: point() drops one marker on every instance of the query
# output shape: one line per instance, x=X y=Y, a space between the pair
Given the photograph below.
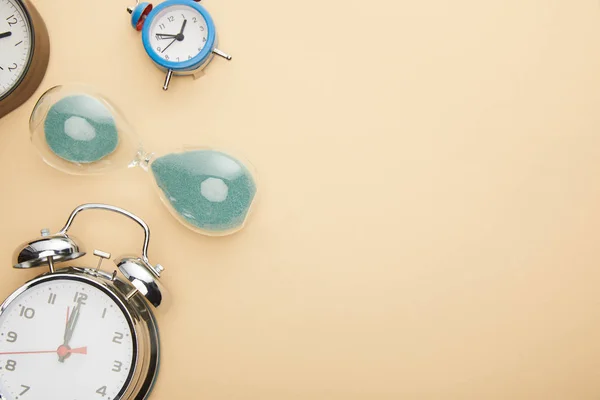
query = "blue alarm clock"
x=178 y=35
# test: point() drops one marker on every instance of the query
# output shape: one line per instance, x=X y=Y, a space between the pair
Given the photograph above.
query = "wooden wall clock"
x=24 y=53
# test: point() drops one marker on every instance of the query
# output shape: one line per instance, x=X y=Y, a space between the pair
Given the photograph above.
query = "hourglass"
x=77 y=130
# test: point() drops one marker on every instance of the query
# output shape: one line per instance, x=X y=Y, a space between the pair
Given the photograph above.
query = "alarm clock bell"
x=47 y=248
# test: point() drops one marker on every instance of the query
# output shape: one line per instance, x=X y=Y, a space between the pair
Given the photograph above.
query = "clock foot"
x=198 y=74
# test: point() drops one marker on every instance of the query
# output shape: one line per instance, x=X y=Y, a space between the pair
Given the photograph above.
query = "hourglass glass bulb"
x=209 y=191
x=79 y=131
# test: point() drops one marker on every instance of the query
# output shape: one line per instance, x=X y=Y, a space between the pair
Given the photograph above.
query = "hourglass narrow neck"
x=142 y=159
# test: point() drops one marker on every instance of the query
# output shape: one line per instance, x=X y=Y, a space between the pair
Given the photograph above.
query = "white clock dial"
x=169 y=23
x=64 y=339
x=15 y=45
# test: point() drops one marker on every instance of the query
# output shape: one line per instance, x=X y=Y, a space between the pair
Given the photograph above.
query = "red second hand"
x=79 y=350
x=26 y=352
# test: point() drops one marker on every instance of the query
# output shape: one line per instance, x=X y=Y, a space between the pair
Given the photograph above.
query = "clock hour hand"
x=178 y=37
x=166 y=35
x=5 y=34
x=183 y=26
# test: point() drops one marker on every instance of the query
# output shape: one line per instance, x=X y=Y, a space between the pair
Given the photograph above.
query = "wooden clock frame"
x=38 y=62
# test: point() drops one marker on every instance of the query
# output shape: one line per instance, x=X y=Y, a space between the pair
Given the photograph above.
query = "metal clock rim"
x=128 y=317
x=31 y=51
x=183 y=65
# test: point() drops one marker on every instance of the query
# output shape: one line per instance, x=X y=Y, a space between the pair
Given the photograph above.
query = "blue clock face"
x=179 y=35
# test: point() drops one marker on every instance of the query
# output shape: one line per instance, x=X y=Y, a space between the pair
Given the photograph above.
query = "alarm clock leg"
x=168 y=79
x=51 y=264
x=222 y=54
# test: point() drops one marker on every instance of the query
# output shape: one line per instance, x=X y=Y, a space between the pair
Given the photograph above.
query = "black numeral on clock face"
x=52 y=298
x=118 y=337
x=28 y=313
x=25 y=389
x=11 y=365
x=12 y=20
x=117 y=366
x=171 y=18
x=11 y=337
x=80 y=298
x=102 y=391
x=13 y=67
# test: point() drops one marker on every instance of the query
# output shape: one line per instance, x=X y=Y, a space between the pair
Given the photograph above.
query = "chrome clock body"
x=140 y=318
x=110 y=317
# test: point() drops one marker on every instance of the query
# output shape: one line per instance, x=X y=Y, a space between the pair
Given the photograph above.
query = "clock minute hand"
x=165 y=49
x=5 y=34
x=71 y=324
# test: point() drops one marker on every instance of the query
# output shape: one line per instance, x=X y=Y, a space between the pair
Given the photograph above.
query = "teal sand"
x=80 y=129
x=210 y=190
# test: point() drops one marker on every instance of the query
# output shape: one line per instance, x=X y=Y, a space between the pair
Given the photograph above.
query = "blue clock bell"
x=178 y=35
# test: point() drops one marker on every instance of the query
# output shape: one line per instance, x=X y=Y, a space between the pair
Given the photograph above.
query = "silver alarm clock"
x=80 y=333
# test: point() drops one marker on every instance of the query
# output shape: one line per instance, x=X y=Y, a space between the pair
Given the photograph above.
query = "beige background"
x=430 y=177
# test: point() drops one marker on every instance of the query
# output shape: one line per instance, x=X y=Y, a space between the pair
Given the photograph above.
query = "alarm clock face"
x=64 y=338
x=179 y=36
x=15 y=45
